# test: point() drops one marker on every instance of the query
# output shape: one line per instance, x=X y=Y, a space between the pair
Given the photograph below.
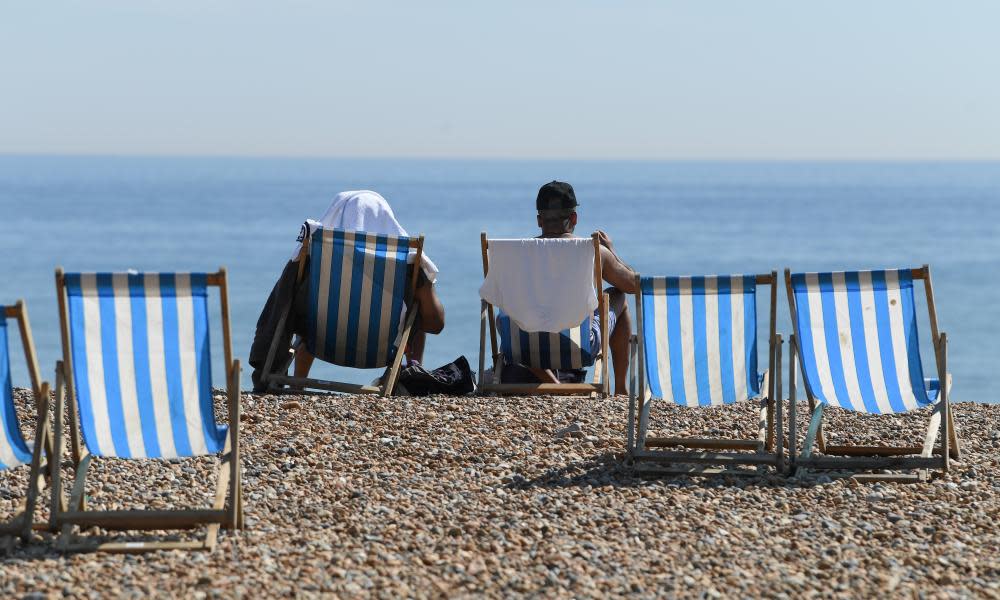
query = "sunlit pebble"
x=451 y=496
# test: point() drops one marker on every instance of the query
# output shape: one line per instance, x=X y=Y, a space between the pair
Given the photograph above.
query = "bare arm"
x=430 y=307
x=614 y=270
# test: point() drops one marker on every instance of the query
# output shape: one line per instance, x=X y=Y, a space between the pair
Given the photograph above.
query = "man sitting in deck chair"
x=365 y=211
x=556 y=204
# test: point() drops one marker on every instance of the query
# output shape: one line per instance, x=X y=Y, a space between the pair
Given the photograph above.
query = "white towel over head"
x=368 y=211
x=542 y=284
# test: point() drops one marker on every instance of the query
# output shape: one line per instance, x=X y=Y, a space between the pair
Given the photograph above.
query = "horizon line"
x=225 y=156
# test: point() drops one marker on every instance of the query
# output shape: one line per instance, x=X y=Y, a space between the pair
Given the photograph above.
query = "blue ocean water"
x=664 y=217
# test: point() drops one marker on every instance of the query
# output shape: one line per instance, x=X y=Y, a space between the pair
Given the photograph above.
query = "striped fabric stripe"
x=141 y=364
x=858 y=338
x=567 y=349
x=14 y=450
x=700 y=338
x=357 y=284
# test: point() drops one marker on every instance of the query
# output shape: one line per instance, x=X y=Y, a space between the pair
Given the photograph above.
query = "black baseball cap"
x=556 y=195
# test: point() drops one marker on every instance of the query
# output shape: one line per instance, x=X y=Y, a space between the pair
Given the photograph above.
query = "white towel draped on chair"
x=542 y=284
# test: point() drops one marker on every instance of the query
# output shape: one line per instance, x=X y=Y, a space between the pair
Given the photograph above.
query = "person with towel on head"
x=362 y=210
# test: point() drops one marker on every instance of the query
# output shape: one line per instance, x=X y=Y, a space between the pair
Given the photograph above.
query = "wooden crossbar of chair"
x=227 y=507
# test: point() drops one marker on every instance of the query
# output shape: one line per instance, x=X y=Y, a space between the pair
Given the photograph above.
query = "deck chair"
x=15 y=451
x=137 y=373
x=856 y=341
x=567 y=349
x=696 y=346
x=358 y=286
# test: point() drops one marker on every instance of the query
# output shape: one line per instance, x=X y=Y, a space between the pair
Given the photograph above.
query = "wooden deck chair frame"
x=851 y=460
x=487 y=319
x=277 y=382
x=22 y=523
x=227 y=508
x=709 y=456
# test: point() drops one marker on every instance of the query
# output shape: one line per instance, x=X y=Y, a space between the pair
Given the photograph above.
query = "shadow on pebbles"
x=487 y=496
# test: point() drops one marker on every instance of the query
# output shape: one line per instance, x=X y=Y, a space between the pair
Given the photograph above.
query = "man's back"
x=557 y=218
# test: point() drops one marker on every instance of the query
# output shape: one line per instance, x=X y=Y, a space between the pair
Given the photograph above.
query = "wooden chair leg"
x=272 y=352
x=793 y=431
x=57 y=503
x=762 y=419
x=820 y=438
x=643 y=408
x=605 y=347
x=811 y=436
x=768 y=406
x=241 y=524
x=632 y=385
x=76 y=499
x=956 y=451
x=390 y=383
x=224 y=491
x=41 y=442
x=598 y=371
x=289 y=358
x=76 y=445
x=499 y=362
x=482 y=342
x=778 y=433
x=931 y=435
x=234 y=444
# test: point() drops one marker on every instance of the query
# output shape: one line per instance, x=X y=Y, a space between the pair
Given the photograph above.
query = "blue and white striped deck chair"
x=563 y=350
x=15 y=451
x=856 y=341
x=359 y=284
x=137 y=368
x=697 y=347
x=567 y=349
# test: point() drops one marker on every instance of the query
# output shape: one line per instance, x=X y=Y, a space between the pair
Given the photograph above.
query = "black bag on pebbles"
x=453 y=379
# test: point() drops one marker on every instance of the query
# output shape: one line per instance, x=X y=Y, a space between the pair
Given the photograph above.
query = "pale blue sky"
x=512 y=79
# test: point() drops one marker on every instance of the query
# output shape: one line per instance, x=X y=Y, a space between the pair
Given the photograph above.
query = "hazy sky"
x=518 y=79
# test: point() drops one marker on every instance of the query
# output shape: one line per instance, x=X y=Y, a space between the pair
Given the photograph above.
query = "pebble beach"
x=472 y=496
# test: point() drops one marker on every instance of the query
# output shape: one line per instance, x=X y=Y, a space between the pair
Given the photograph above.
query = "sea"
x=665 y=218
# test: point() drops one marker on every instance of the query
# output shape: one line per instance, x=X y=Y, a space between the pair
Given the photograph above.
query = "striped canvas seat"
x=357 y=286
x=858 y=339
x=141 y=364
x=700 y=338
x=567 y=349
x=14 y=451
